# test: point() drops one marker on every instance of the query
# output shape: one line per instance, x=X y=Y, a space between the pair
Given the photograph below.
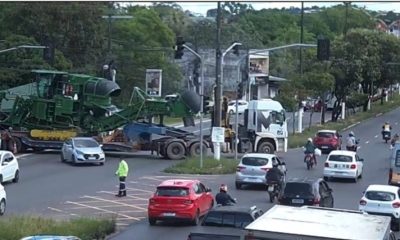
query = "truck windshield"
x=278 y=117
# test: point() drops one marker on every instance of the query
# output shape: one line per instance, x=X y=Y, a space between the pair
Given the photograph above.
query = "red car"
x=328 y=140
x=179 y=199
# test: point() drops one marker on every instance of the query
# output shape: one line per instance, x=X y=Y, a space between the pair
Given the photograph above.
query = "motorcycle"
x=386 y=136
x=309 y=161
x=273 y=191
x=353 y=148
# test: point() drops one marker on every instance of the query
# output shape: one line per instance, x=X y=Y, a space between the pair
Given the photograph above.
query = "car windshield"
x=255 y=161
x=172 y=191
x=380 y=196
x=298 y=188
x=85 y=143
x=231 y=103
x=340 y=158
x=325 y=135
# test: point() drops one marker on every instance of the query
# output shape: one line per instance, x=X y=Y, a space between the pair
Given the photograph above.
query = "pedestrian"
x=122 y=173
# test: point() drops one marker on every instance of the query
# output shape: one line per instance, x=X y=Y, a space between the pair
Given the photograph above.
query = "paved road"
x=346 y=193
x=49 y=187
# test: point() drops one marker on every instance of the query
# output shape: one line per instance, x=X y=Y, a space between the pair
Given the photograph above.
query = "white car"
x=9 y=168
x=253 y=167
x=81 y=150
x=242 y=105
x=382 y=200
x=3 y=200
x=343 y=164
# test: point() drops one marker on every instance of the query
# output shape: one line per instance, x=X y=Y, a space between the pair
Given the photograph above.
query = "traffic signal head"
x=236 y=50
x=179 y=48
x=207 y=104
x=240 y=91
x=323 y=49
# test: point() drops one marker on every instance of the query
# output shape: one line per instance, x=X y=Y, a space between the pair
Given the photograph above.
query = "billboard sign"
x=153 y=82
x=259 y=64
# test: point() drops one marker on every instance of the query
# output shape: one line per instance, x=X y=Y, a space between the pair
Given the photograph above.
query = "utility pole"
x=110 y=18
x=301 y=38
x=218 y=80
x=346 y=16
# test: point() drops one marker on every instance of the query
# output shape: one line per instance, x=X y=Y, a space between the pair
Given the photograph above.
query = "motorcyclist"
x=223 y=198
x=309 y=148
x=386 y=128
x=351 y=142
x=275 y=175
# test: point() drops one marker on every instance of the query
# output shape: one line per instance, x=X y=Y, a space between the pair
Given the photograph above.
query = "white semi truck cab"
x=265 y=127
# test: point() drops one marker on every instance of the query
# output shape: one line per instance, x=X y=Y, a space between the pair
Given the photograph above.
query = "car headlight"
x=79 y=152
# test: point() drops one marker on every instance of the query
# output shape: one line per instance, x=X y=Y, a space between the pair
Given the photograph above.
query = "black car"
x=231 y=216
x=304 y=191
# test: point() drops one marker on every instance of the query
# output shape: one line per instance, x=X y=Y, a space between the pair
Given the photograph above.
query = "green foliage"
x=292 y=93
x=210 y=166
x=12 y=228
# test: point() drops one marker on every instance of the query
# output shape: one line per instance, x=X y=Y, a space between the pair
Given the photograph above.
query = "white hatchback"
x=9 y=167
x=382 y=200
x=242 y=106
x=343 y=164
x=3 y=200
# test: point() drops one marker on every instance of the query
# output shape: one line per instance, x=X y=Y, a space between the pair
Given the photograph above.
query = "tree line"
x=360 y=56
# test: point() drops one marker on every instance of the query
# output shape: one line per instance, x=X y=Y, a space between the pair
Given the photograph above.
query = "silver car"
x=253 y=167
x=82 y=150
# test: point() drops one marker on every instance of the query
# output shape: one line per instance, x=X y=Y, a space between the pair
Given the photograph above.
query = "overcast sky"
x=202 y=7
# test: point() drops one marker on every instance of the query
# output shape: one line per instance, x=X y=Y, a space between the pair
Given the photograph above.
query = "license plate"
x=324 y=147
x=253 y=180
x=297 y=201
x=167 y=214
x=270 y=188
x=92 y=158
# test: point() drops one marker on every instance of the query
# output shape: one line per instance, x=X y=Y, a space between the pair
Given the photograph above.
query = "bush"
x=210 y=166
x=17 y=227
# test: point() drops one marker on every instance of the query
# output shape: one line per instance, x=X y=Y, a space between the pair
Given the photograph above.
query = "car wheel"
x=1 y=179
x=62 y=157
x=2 y=206
x=356 y=178
x=360 y=176
x=238 y=185
x=265 y=147
x=271 y=197
x=101 y=164
x=196 y=218
x=73 y=160
x=152 y=221
x=16 y=176
x=326 y=179
x=394 y=226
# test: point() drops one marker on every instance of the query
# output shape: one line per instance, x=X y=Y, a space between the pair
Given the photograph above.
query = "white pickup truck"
x=315 y=223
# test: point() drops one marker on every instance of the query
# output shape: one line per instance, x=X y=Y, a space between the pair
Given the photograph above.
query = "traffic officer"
x=122 y=173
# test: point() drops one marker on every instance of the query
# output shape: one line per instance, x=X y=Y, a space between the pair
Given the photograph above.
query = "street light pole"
x=201 y=101
x=110 y=17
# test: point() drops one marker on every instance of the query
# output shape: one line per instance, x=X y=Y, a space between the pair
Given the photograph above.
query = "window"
x=172 y=191
x=198 y=189
x=340 y=158
x=253 y=161
x=213 y=218
x=85 y=143
x=298 y=188
x=228 y=220
x=325 y=135
x=397 y=162
x=242 y=220
x=380 y=196
x=202 y=187
x=8 y=157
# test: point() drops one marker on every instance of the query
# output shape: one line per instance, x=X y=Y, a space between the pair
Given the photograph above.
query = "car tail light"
x=249 y=236
x=188 y=202
x=326 y=164
x=363 y=202
x=316 y=201
x=265 y=169
x=240 y=168
x=353 y=166
x=152 y=201
x=396 y=204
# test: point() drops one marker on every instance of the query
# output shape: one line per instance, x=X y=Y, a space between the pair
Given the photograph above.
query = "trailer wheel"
x=175 y=151
x=266 y=147
x=194 y=149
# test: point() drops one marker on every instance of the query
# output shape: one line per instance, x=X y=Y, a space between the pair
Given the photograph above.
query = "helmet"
x=223 y=187
x=351 y=133
x=309 y=140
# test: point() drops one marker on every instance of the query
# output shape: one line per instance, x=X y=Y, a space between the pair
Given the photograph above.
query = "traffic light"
x=179 y=48
x=323 y=49
x=236 y=50
x=240 y=91
x=207 y=105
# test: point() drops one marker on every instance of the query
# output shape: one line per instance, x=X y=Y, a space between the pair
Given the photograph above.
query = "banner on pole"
x=153 y=82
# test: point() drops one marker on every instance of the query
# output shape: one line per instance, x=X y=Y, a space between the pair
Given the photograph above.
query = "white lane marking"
x=24 y=155
x=129 y=195
x=55 y=209
x=118 y=203
x=103 y=210
x=376 y=136
x=114 y=206
x=203 y=130
x=367 y=142
x=136 y=189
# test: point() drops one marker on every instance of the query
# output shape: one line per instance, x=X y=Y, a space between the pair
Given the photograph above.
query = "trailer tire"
x=266 y=147
x=175 y=150
x=194 y=149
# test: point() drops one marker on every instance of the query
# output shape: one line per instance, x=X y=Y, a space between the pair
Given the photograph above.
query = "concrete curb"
x=377 y=115
x=352 y=125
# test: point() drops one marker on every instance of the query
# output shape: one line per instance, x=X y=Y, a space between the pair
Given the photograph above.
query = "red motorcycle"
x=309 y=159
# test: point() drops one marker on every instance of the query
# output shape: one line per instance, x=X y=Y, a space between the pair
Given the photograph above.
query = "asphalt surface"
x=51 y=188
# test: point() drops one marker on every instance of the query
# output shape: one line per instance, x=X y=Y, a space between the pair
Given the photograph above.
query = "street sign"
x=218 y=134
x=153 y=82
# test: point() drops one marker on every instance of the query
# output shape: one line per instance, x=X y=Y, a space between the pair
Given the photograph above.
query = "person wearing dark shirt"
x=275 y=175
x=223 y=198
